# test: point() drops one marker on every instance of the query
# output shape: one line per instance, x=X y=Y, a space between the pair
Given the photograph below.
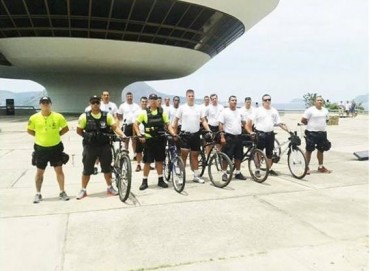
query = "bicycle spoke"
x=297 y=163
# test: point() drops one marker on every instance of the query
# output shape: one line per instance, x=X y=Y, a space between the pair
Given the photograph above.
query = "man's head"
x=167 y=101
x=153 y=101
x=129 y=97
x=105 y=96
x=266 y=101
x=319 y=101
x=233 y=101
x=190 y=96
x=176 y=101
x=45 y=103
x=206 y=100
x=143 y=102
x=159 y=101
x=247 y=102
x=95 y=103
x=214 y=99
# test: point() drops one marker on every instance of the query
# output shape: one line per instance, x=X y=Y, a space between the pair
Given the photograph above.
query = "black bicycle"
x=257 y=160
x=121 y=168
x=173 y=166
x=218 y=163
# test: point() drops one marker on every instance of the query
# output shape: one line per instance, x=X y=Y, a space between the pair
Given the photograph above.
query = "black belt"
x=231 y=135
x=267 y=133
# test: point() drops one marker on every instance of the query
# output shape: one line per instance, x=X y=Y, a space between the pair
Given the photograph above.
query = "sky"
x=303 y=46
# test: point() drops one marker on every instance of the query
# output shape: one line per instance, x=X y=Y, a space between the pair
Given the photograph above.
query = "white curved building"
x=76 y=48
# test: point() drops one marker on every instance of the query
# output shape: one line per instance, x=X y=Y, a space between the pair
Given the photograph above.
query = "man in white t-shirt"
x=166 y=106
x=205 y=104
x=126 y=113
x=264 y=119
x=315 y=118
x=230 y=123
x=190 y=115
x=247 y=109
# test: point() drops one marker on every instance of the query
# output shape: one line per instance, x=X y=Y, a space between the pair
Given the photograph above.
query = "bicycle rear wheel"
x=215 y=172
x=297 y=163
x=125 y=175
x=257 y=165
x=167 y=164
x=178 y=174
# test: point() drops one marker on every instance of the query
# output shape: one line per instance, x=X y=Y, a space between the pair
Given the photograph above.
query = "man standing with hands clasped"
x=47 y=127
x=94 y=126
x=315 y=118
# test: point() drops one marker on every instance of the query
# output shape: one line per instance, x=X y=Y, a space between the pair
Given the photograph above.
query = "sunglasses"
x=267 y=100
x=46 y=102
x=96 y=102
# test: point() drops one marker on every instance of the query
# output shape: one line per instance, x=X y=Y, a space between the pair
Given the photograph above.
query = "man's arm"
x=64 y=130
x=304 y=120
x=31 y=132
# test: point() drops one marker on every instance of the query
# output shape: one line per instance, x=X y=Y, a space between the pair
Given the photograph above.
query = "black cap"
x=94 y=98
x=153 y=96
x=45 y=99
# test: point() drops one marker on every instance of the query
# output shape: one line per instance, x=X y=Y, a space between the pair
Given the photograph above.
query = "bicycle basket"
x=295 y=140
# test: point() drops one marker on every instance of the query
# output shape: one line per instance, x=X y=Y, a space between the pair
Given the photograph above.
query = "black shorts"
x=191 y=141
x=233 y=147
x=317 y=140
x=154 y=150
x=91 y=153
x=266 y=141
x=43 y=155
x=139 y=148
x=129 y=131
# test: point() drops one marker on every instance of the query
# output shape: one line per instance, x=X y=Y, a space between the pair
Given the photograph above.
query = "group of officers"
x=144 y=124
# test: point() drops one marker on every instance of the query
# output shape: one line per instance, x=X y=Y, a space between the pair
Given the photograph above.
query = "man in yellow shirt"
x=155 y=122
x=94 y=126
x=47 y=127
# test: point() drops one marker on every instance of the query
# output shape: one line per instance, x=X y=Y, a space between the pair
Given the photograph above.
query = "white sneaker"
x=198 y=179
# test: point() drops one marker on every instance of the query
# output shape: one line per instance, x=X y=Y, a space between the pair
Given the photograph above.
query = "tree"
x=309 y=99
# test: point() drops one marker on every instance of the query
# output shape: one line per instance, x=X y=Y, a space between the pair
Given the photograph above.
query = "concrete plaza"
x=318 y=223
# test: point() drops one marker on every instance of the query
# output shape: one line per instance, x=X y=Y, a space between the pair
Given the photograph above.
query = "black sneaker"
x=144 y=185
x=161 y=183
x=273 y=173
x=95 y=171
x=240 y=176
x=225 y=178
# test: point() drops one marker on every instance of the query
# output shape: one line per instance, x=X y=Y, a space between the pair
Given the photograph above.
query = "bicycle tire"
x=257 y=165
x=276 y=153
x=167 y=166
x=215 y=171
x=297 y=163
x=202 y=163
x=125 y=176
x=178 y=174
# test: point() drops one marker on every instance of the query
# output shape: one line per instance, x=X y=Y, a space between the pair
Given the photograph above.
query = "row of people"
x=148 y=123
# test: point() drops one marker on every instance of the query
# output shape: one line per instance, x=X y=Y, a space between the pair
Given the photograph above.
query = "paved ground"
x=318 y=223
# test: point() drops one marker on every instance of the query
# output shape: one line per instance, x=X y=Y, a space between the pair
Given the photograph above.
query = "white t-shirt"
x=316 y=118
x=265 y=119
x=190 y=117
x=172 y=113
x=109 y=107
x=232 y=121
x=128 y=111
x=246 y=112
x=212 y=112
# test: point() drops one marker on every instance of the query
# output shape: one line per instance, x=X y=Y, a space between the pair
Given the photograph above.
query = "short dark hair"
x=265 y=95
x=176 y=97
x=232 y=96
x=247 y=99
x=129 y=93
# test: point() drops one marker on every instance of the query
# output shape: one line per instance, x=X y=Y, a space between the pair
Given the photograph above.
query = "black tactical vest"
x=155 y=123
x=96 y=130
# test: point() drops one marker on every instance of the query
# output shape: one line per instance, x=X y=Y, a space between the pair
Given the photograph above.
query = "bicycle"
x=297 y=162
x=121 y=168
x=173 y=166
x=218 y=163
x=257 y=160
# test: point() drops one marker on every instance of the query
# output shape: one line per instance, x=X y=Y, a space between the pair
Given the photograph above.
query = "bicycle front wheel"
x=297 y=163
x=178 y=174
x=257 y=165
x=220 y=169
x=124 y=184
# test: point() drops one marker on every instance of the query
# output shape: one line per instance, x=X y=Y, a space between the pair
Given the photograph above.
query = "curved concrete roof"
x=31 y=56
